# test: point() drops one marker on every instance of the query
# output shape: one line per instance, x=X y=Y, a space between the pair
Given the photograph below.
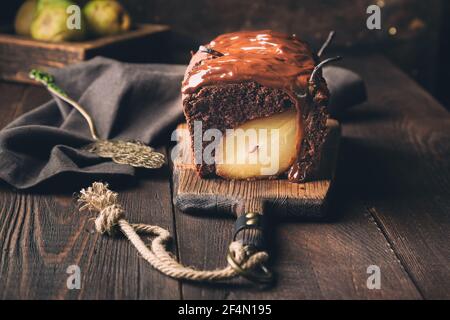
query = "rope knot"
x=98 y=198
x=249 y=263
x=108 y=219
x=244 y=258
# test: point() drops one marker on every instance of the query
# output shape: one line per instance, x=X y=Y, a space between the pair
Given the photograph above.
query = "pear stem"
x=326 y=43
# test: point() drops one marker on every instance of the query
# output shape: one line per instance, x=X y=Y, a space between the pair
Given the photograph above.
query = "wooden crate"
x=18 y=54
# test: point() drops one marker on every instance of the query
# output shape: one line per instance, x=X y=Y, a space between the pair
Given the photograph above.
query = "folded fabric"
x=126 y=101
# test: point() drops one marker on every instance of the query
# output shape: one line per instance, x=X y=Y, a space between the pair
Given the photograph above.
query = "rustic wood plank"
x=311 y=260
x=78 y=46
x=41 y=235
x=33 y=96
x=398 y=151
x=115 y=269
x=10 y=101
x=19 y=54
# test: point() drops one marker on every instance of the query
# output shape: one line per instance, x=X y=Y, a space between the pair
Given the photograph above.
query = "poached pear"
x=259 y=148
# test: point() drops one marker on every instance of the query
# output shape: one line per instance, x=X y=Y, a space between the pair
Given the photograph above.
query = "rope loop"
x=111 y=218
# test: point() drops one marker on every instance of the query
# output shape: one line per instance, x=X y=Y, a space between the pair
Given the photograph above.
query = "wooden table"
x=391 y=208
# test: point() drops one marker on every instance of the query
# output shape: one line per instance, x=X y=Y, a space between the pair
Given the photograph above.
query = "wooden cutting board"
x=218 y=196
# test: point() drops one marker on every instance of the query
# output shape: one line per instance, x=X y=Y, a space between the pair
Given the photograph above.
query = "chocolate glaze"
x=274 y=60
x=270 y=58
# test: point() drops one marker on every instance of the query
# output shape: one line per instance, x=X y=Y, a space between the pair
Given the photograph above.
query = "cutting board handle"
x=249 y=230
x=250 y=224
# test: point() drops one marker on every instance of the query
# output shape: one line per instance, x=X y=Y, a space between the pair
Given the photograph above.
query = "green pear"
x=24 y=17
x=50 y=23
x=44 y=3
x=106 y=17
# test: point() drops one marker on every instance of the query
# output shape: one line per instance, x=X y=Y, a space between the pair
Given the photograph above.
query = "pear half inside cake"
x=260 y=148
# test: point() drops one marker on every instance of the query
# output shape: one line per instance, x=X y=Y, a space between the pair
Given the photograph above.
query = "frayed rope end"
x=99 y=199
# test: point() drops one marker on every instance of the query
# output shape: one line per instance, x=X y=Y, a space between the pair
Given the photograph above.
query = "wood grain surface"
x=390 y=206
x=20 y=54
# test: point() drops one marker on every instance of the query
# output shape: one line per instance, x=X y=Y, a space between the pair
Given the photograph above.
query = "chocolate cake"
x=242 y=76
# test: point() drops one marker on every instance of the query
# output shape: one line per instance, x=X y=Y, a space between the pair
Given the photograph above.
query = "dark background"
x=420 y=45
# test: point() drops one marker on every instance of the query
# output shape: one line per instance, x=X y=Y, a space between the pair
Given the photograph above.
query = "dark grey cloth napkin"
x=126 y=101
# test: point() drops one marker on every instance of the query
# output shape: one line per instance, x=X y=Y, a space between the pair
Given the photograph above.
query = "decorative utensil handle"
x=49 y=82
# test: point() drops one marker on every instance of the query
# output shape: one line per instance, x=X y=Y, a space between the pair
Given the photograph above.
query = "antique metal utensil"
x=133 y=153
